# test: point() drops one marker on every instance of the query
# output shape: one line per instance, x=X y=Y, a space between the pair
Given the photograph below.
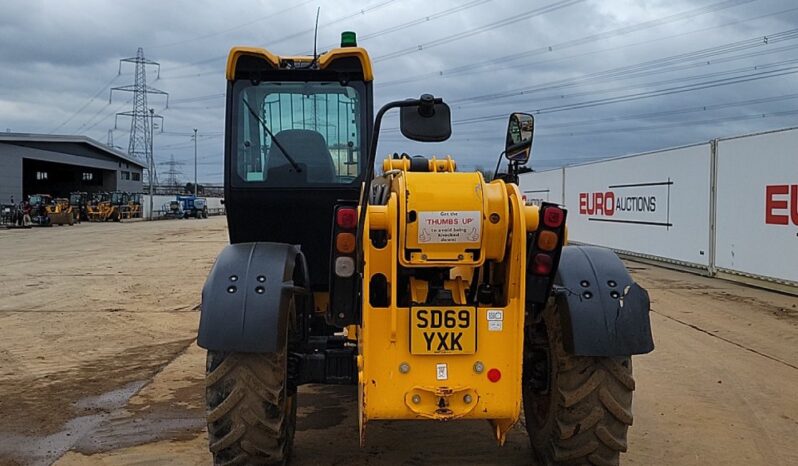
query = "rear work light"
x=553 y=217
x=344 y=267
x=346 y=218
x=542 y=264
x=345 y=243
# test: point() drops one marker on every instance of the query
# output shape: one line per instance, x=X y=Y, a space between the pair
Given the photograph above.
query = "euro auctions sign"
x=781 y=204
x=645 y=203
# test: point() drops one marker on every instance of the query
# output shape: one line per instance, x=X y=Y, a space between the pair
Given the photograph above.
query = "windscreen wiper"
x=276 y=142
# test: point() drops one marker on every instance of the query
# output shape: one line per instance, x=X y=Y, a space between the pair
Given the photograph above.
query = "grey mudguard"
x=246 y=298
x=603 y=311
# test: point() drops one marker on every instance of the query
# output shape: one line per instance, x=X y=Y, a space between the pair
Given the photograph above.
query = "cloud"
x=60 y=58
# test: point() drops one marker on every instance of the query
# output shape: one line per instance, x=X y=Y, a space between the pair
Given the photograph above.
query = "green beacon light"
x=348 y=39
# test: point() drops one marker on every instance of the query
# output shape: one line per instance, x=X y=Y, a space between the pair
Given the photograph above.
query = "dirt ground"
x=98 y=364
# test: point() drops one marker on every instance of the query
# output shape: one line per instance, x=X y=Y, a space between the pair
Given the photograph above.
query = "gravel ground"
x=98 y=364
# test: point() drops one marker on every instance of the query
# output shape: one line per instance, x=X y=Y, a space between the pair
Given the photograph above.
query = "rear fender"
x=603 y=311
x=247 y=297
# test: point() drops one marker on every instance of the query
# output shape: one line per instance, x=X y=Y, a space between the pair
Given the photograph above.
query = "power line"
x=198 y=98
x=278 y=40
x=591 y=53
x=444 y=40
x=411 y=23
x=506 y=59
x=186 y=133
x=715 y=120
x=78 y=111
x=90 y=123
x=234 y=28
x=478 y=30
x=559 y=162
x=184 y=145
x=753 y=76
x=683 y=15
x=665 y=113
x=656 y=66
x=644 y=116
x=476 y=66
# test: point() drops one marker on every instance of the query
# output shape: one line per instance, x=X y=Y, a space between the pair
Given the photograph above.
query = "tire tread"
x=591 y=406
x=246 y=408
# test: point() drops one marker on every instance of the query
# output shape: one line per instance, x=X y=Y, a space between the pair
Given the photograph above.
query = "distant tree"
x=190 y=188
x=487 y=174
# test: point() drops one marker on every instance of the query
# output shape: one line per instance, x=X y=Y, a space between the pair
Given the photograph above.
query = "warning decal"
x=455 y=226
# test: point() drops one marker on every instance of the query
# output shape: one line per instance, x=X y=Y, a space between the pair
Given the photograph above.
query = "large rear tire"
x=577 y=408
x=251 y=411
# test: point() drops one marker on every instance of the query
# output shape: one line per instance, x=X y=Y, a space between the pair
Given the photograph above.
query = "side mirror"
x=426 y=122
x=520 y=130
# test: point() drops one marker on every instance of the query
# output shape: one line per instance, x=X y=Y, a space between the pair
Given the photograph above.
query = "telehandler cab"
x=78 y=200
x=440 y=295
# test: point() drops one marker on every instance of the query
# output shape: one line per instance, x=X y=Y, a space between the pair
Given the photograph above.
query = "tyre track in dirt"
x=719 y=388
x=93 y=313
x=731 y=342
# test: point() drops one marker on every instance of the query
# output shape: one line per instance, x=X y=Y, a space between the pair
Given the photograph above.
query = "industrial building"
x=58 y=165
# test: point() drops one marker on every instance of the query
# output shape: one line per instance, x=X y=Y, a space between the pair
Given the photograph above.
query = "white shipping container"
x=757 y=205
x=654 y=204
x=545 y=186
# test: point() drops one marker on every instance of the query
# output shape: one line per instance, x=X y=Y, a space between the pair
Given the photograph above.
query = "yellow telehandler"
x=103 y=208
x=439 y=294
x=60 y=212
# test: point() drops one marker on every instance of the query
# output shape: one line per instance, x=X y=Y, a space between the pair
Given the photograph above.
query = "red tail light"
x=346 y=218
x=542 y=264
x=494 y=375
x=553 y=217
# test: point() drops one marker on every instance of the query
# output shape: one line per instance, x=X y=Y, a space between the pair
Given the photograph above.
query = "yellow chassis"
x=395 y=384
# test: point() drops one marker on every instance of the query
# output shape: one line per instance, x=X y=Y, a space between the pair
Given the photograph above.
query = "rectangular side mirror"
x=520 y=130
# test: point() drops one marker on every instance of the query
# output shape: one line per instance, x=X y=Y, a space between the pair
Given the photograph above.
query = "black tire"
x=577 y=409
x=251 y=412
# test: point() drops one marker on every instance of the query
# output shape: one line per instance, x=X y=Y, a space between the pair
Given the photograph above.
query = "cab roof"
x=278 y=62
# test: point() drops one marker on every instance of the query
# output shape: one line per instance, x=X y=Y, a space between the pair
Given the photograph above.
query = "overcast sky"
x=604 y=77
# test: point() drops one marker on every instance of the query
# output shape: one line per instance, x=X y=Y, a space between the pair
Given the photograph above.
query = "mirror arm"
x=372 y=156
x=498 y=165
x=512 y=171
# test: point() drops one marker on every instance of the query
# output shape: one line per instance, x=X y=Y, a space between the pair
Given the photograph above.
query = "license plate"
x=443 y=330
